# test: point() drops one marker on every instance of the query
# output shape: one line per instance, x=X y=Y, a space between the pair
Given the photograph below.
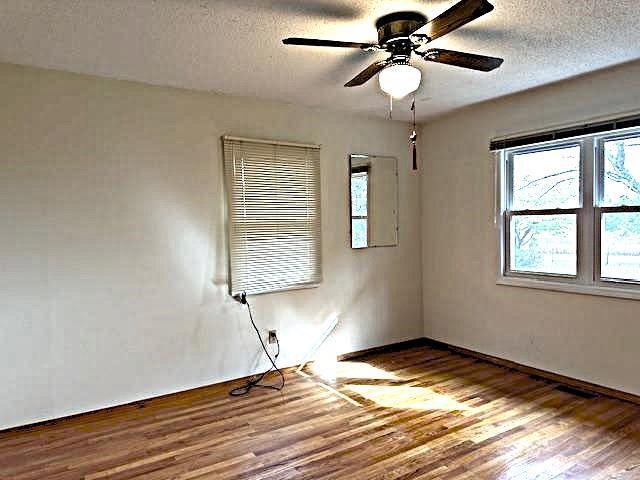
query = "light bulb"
x=399 y=80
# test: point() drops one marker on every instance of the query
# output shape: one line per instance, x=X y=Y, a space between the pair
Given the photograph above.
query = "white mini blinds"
x=273 y=199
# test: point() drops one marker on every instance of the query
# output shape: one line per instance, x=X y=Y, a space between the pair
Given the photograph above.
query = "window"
x=570 y=214
x=273 y=199
x=618 y=214
x=360 y=207
x=543 y=205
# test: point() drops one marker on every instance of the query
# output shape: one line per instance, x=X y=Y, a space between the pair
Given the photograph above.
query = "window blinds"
x=567 y=132
x=273 y=200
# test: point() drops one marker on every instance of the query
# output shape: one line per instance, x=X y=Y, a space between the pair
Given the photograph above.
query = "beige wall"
x=112 y=253
x=587 y=337
x=383 y=207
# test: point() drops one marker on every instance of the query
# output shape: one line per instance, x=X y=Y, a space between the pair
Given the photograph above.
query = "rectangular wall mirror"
x=373 y=201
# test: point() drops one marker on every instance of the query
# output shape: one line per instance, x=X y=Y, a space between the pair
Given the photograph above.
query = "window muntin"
x=603 y=218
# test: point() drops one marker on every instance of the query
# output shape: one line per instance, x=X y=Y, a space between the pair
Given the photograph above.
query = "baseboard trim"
x=134 y=404
x=140 y=403
x=391 y=347
x=536 y=372
x=416 y=342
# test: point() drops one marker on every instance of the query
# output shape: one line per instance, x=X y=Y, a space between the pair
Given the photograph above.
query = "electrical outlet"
x=272 y=336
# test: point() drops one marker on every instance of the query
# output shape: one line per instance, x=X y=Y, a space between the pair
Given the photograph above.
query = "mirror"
x=373 y=201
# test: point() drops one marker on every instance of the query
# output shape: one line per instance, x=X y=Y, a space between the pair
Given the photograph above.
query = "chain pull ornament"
x=413 y=138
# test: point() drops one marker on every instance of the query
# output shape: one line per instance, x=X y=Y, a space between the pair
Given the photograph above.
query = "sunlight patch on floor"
x=417 y=398
x=549 y=468
x=331 y=370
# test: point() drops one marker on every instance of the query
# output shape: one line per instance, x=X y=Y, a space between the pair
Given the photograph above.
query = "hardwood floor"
x=421 y=413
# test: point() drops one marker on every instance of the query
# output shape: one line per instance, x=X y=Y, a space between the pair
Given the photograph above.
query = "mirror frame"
x=397 y=216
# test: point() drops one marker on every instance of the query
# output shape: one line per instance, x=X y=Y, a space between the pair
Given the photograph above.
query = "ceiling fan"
x=404 y=33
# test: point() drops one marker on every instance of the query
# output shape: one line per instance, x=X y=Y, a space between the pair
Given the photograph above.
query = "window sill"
x=566 y=287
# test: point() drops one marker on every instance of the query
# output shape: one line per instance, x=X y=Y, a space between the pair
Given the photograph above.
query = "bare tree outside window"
x=545 y=180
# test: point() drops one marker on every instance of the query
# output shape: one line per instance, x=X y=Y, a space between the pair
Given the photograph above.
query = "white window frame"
x=587 y=279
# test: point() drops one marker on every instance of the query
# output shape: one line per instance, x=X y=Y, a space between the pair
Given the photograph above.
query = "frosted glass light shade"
x=399 y=80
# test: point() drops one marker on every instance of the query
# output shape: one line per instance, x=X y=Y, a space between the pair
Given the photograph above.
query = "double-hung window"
x=618 y=209
x=570 y=214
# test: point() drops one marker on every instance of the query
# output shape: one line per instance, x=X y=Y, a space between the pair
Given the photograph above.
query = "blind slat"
x=273 y=200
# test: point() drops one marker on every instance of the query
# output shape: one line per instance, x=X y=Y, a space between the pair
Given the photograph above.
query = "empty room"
x=319 y=239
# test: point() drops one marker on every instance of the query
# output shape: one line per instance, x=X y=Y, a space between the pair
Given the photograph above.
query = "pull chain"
x=413 y=138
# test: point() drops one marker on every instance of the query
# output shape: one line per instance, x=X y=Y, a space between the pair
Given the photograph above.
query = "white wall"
x=112 y=251
x=586 y=337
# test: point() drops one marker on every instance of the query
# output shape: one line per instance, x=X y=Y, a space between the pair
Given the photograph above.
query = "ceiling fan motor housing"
x=398 y=26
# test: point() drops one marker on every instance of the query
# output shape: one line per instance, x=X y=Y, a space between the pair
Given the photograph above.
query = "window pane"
x=621 y=246
x=544 y=244
x=546 y=179
x=359 y=194
x=622 y=172
x=359 y=233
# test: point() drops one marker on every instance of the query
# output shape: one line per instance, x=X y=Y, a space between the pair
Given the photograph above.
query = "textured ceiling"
x=233 y=46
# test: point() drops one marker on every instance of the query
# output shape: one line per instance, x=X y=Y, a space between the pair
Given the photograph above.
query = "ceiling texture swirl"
x=234 y=47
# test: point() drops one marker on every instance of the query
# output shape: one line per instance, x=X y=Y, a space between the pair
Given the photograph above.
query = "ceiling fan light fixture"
x=399 y=80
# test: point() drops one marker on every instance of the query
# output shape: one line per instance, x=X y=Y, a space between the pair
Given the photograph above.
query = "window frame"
x=600 y=210
x=509 y=213
x=589 y=214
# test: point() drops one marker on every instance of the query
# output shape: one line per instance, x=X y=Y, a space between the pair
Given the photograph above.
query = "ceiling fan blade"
x=460 y=14
x=367 y=73
x=462 y=59
x=314 y=42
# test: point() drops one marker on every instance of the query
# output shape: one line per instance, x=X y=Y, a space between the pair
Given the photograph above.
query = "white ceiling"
x=234 y=46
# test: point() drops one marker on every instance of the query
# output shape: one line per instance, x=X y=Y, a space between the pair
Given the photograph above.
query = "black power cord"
x=255 y=380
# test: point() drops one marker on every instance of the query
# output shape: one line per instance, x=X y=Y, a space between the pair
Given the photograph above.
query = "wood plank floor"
x=420 y=413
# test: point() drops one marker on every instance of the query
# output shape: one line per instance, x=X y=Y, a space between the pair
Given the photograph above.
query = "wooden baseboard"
x=140 y=403
x=134 y=404
x=392 y=347
x=536 y=372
